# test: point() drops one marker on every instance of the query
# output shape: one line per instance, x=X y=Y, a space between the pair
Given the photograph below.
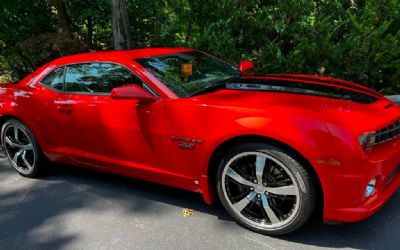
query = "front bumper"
x=344 y=186
x=370 y=206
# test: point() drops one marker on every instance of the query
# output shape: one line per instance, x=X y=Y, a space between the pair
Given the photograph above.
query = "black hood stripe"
x=301 y=88
x=327 y=80
x=334 y=85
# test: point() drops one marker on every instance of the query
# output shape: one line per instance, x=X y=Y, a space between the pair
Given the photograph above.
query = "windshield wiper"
x=214 y=87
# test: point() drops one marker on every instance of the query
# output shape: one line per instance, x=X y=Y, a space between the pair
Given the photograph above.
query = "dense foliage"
x=357 y=40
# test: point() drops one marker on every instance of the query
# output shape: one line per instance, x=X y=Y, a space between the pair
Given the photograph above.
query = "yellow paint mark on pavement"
x=187 y=212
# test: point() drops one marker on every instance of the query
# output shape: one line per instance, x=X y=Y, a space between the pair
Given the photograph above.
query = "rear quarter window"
x=54 y=79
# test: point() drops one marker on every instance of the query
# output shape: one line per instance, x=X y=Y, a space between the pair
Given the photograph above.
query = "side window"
x=55 y=79
x=98 y=77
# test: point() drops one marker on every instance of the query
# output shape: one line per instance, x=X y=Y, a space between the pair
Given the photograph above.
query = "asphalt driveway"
x=72 y=208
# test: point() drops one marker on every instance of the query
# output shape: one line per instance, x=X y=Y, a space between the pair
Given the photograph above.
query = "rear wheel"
x=21 y=149
x=265 y=189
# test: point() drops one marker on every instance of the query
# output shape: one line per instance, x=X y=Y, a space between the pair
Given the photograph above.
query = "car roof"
x=114 y=55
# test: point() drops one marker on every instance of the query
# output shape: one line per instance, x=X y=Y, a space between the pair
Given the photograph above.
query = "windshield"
x=188 y=73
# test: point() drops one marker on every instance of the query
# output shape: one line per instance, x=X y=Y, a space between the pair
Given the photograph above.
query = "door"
x=104 y=132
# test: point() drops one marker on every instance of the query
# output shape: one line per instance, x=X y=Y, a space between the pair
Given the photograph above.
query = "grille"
x=388 y=133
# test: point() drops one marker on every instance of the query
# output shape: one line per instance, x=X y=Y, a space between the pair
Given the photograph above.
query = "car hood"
x=332 y=100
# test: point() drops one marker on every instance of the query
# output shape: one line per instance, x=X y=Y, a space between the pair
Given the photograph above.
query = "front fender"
x=309 y=137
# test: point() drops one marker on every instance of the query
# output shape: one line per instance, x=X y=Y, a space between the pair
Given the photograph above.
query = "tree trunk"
x=120 y=25
x=90 y=32
x=156 y=38
x=63 y=17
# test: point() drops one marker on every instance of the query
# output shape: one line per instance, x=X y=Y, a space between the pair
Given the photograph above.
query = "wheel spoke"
x=16 y=137
x=260 y=165
x=240 y=205
x=232 y=173
x=28 y=165
x=11 y=143
x=284 y=190
x=19 y=152
x=267 y=208
x=27 y=147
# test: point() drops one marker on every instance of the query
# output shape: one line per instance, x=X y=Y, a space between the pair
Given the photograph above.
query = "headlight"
x=366 y=139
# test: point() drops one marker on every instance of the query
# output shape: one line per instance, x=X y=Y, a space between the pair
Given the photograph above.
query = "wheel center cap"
x=259 y=189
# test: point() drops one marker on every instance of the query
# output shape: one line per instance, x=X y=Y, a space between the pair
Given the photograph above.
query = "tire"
x=284 y=200
x=21 y=149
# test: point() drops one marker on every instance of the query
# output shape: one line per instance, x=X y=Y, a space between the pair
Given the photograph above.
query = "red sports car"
x=273 y=149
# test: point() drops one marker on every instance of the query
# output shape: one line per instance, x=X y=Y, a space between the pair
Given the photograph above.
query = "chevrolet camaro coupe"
x=273 y=149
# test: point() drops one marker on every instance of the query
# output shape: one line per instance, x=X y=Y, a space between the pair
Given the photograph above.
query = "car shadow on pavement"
x=135 y=195
x=381 y=231
x=24 y=209
x=32 y=210
x=32 y=213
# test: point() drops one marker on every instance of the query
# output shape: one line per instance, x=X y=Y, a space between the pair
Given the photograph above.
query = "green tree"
x=356 y=40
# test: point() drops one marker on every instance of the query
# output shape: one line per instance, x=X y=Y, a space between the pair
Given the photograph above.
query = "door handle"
x=63 y=107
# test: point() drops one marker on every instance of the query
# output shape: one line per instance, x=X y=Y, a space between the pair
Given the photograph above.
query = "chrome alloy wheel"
x=261 y=190
x=19 y=148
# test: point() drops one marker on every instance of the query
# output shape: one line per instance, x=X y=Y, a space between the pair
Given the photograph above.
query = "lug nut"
x=251 y=188
x=255 y=181
x=258 y=195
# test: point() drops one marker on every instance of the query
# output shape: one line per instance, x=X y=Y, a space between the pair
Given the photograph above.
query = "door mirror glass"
x=246 y=65
x=132 y=92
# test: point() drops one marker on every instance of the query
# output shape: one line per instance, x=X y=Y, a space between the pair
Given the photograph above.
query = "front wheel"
x=22 y=149
x=265 y=189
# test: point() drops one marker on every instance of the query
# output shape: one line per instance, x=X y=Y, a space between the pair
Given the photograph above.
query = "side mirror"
x=132 y=92
x=246 y=65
